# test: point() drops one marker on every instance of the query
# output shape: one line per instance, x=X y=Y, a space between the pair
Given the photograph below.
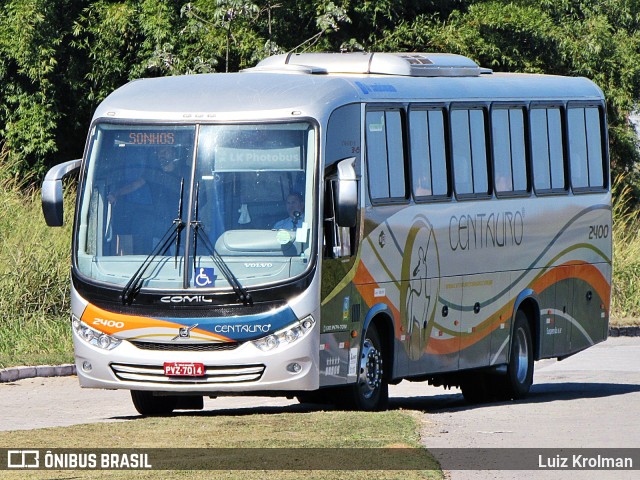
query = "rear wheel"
x=371 y=391
x=147 y=403
x=519 y=378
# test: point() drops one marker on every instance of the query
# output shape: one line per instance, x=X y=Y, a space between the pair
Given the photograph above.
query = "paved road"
x=589 y=400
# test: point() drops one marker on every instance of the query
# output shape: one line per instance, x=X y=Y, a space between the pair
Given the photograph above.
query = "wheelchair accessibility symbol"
x=204 y=278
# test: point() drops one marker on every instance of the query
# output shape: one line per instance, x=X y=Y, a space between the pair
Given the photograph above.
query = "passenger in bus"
x=295 y=209
x=134 y=188
x=147 y=202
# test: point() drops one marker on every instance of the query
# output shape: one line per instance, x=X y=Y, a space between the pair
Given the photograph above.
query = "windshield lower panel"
x=196 y=207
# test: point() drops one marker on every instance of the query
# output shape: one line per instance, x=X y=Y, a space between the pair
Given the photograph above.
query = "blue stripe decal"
x=241 y=328
x=362 y=87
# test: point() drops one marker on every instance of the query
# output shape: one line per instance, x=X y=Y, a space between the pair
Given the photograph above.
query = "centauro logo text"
x=242 y=328
x=486 y=230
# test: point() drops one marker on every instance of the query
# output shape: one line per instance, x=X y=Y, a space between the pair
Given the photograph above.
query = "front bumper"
x=244 y=369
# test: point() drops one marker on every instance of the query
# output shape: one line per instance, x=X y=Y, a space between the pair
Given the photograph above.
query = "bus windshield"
x=196 y=206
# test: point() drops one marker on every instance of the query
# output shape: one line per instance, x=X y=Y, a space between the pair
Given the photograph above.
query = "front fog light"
x=94 y=337
x=294 y=367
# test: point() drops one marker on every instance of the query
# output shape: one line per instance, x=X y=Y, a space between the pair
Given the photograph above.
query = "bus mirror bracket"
x=52 y=196
x=346 y=194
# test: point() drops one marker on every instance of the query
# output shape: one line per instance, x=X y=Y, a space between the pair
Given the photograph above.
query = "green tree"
x=33 y=52
x=598 y=40
x=60 y=58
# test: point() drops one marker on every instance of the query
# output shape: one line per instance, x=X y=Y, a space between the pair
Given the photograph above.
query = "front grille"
x=213 y=375
x=186 y=347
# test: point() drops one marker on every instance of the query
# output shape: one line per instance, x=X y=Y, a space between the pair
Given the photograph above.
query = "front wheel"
x=147 y=403
x=371 y=391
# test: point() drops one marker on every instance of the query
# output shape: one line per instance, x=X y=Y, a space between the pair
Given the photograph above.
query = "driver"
x=295 y=209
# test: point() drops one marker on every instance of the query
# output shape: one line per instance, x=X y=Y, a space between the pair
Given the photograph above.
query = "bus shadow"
x=540 y=393
x=211 y=411
x=439 y=403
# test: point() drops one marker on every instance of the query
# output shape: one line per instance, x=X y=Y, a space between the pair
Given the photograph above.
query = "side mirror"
x=52 y=197
x=346 y=193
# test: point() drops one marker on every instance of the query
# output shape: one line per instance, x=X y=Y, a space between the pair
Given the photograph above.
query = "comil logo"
x=23 y=459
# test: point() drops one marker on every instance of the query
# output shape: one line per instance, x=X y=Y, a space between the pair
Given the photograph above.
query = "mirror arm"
x=52 y=196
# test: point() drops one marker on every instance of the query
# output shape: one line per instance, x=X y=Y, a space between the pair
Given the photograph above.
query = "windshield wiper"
x=134 y=284
x=180 y=222
x=241 y=292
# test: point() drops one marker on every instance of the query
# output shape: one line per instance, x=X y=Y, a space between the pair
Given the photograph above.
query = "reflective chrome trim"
x=155 y=374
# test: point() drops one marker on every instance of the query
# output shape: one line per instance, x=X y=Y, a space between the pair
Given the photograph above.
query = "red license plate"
x=182 y=369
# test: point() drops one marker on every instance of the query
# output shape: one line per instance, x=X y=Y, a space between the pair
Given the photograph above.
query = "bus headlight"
x=93 y=336
x=286 y=336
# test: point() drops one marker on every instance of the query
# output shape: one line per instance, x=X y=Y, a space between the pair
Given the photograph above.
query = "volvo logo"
x=184 y=332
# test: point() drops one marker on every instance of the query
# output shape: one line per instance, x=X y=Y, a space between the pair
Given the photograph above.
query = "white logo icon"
x=23 y=459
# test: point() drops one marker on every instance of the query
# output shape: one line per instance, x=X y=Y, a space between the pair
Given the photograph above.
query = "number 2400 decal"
x=598 y=231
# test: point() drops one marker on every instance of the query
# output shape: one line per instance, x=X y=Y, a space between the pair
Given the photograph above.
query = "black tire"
x=519 y=377
x=475 y=387
x=371 y=390
x=321 y=397
x=148 y=404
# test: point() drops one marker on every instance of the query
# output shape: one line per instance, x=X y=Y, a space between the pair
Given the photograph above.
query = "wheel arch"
x=381 y=317
x=527 y=301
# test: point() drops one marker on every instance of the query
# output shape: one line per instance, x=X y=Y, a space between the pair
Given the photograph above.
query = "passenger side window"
x=509 y=157
x=469 y=151
x=585 y=148
x=385 y=155
x=547 y=156
x=428 y=153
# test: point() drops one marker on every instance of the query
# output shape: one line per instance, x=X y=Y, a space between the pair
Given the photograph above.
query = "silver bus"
x=324 y=225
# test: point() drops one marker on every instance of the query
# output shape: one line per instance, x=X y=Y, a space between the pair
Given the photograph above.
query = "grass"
x=319 y=429
x=34 y=281
x=625 y=298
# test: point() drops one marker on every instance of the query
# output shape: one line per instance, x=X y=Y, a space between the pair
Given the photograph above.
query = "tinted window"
x=377 y=155
x=385 y=154
x=585 y=147
x=546 y=149
x=509 y=150
x=396 y=154
x=469 y=151
x=578 y=148
x=594 y=147
x=428 y=155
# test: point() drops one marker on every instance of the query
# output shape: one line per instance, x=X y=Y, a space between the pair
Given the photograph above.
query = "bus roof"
x=281 y=90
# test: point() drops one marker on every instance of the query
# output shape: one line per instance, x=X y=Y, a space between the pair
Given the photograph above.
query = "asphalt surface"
x=590 y=400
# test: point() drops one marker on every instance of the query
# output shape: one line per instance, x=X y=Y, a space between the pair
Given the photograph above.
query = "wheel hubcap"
x=370 y=377
x=522 y=356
